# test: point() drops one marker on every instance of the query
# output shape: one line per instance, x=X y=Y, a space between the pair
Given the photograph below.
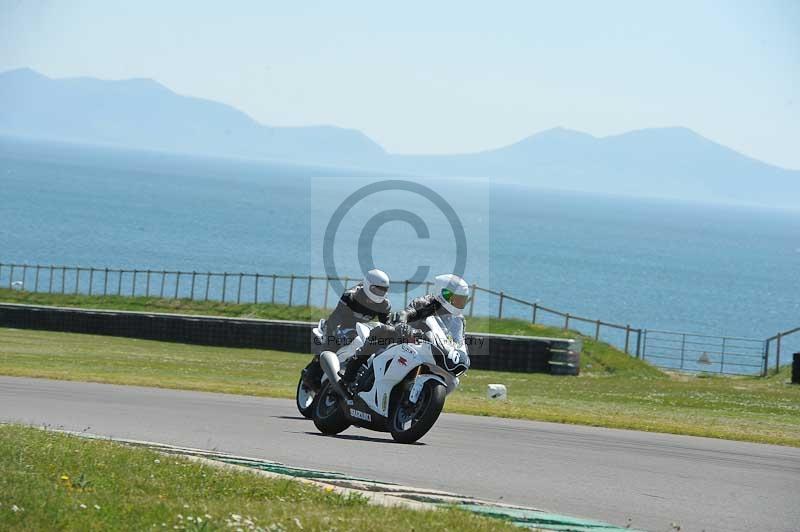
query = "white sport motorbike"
x=309 y=384
x=403 y=391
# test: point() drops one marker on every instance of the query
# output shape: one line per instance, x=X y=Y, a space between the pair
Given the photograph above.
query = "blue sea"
x=656 y=264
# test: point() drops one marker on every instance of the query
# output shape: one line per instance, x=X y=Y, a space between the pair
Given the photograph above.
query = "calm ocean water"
x=650 y=263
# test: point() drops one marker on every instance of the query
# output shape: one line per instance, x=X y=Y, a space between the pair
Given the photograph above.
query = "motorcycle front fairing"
x=371 y=408
x=389 y=369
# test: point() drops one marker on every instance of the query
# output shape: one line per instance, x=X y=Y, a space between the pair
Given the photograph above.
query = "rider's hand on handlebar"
x=404 y=331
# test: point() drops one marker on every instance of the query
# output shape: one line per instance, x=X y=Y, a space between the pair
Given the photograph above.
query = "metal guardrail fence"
x=673 y=350
x=778 y=340
x=289 y=290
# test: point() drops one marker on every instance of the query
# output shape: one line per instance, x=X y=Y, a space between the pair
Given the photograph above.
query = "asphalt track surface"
x=606 y=474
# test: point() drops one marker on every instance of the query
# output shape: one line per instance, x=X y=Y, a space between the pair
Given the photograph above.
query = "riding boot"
x=312 y=374
x=353 y=366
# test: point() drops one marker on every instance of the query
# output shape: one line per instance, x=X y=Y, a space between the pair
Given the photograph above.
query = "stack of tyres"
x=566 y=359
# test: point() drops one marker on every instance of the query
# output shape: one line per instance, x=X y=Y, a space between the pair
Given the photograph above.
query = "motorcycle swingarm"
x=359 y=414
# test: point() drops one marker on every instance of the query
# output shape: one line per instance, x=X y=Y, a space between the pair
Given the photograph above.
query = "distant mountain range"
x=141 y=113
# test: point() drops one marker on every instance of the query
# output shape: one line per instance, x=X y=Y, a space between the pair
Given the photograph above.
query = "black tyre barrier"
x=487 y=351
x=566 y=361
x=796 y=368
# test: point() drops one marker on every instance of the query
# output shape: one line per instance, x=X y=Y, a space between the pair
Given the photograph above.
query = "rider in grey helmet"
x=362 y=303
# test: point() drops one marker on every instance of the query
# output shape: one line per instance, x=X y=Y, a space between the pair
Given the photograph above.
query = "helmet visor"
x=457 y=300
x=379 y=291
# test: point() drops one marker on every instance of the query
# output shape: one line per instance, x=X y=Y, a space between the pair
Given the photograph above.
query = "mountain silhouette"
x=141 y=113
x=671 y=162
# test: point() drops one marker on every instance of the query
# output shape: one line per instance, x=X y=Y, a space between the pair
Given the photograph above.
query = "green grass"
x=615 y=391
x=52 y=481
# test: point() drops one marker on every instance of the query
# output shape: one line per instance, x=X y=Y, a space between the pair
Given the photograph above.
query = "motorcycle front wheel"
x=328 y=415
x=410 y=422
x=305 y=399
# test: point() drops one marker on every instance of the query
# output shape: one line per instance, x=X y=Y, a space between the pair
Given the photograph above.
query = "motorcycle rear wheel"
x=328 y=415
x=304 y=399
x=409 y=423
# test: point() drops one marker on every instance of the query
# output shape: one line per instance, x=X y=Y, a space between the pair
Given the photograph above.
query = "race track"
x=605 y=474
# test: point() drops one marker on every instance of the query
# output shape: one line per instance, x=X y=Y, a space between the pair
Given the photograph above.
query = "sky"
x=446 y=77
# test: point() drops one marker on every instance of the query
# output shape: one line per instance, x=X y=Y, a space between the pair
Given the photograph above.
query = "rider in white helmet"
x=447 y=302
x=450 y=296
x=362 y=303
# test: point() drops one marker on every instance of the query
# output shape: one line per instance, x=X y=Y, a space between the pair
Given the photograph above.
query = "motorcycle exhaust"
x=330 y=365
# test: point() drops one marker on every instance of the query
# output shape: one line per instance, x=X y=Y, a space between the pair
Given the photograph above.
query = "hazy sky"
x=440 y=77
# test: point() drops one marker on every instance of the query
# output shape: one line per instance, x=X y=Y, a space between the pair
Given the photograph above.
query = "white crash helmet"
x=452 y=292
x=376 y=284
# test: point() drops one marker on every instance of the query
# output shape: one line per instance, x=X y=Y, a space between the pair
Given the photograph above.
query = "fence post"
x=119 y=282
x=147 y=284
x=77 y=279
x=638 y=343
x=272 y=300
x=535 y=308
x=644 y=345
x=163 y=282
x=224 y=284
x=308 y=292
x=105 y=281
x=405 y=293
x=722 y=356
x=24 y=274
x=36 y=280
x=194 y=276
x=11 y=277
x=765 y=369
x=327 y=289
x=63 y=278
x=177 y=283
x=627 y=337
x=291 y=289
x=500 y=306
x=566 y=321
x=683 y=348
x=133 y=285
x=208 y=282
x=597 y=330
x=50 y=281
x=472 y=299
x=778 y=353
x=239 y=289
x=91 y=279
x=255 y=296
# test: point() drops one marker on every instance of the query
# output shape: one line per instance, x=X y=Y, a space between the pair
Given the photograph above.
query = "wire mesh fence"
x=674 y=350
